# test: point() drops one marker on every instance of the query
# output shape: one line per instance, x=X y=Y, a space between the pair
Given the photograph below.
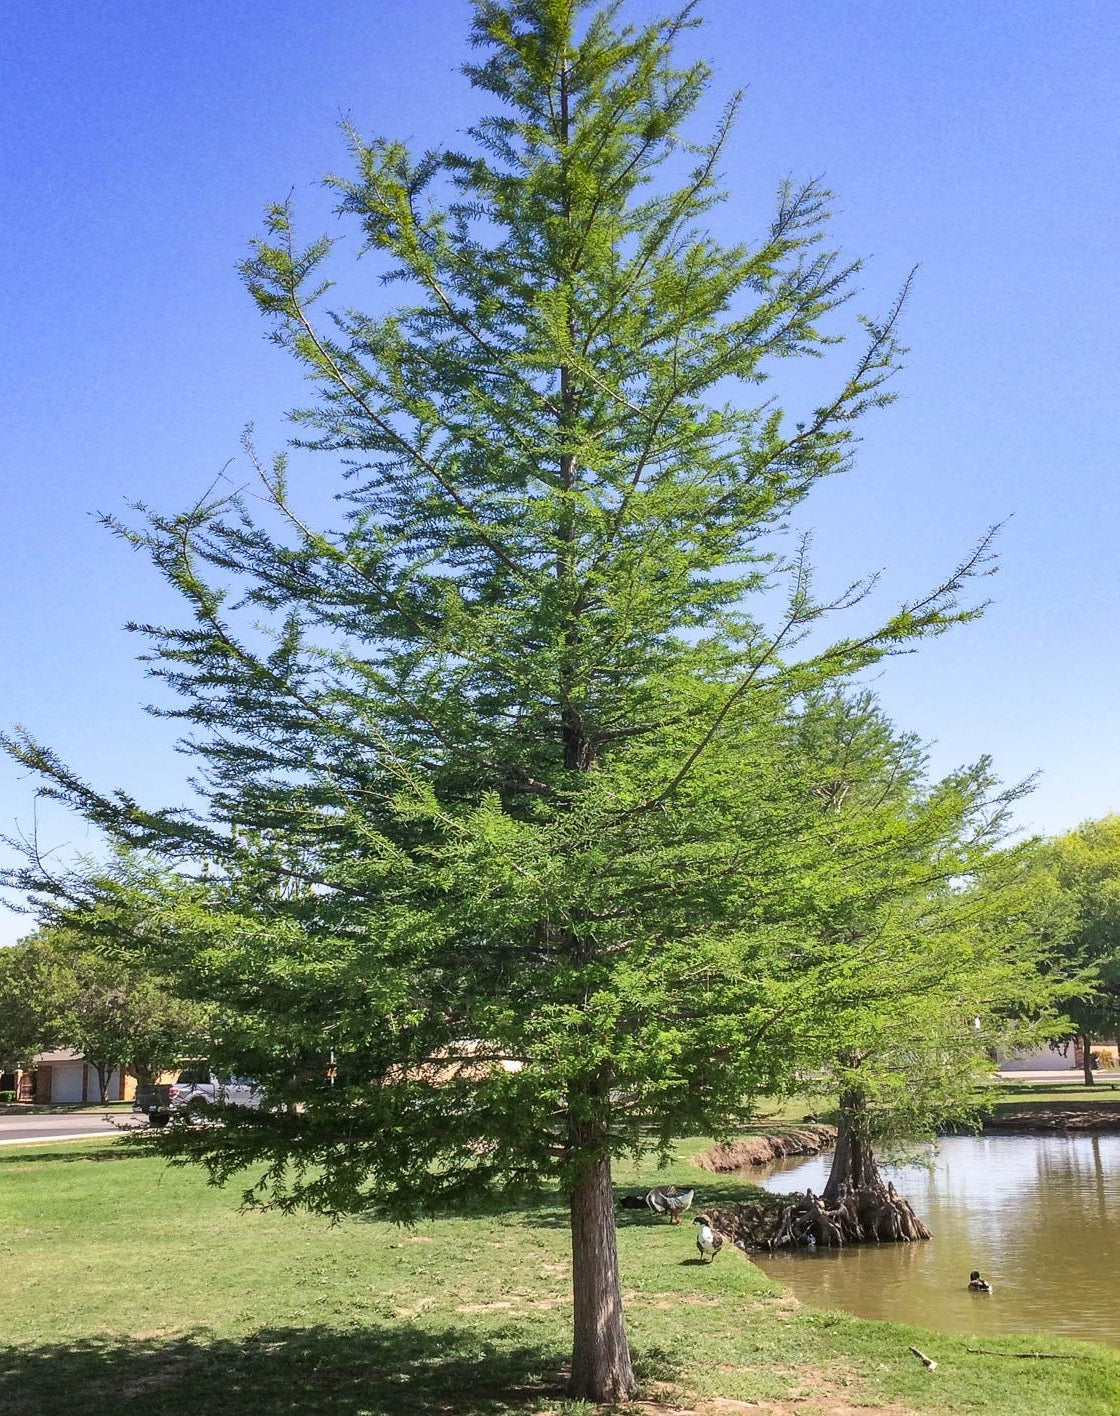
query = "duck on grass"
x=708 y=1242
x=665 y=1200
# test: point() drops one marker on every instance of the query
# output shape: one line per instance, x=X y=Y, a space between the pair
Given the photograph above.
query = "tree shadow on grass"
x=538 y=1207
x=28 y=1155
x=319 y=1371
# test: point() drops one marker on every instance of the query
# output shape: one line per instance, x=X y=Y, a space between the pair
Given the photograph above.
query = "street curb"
x=57 y=1140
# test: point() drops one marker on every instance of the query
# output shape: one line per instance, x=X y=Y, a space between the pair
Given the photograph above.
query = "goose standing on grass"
x=671 y=1201
x=707 y=1240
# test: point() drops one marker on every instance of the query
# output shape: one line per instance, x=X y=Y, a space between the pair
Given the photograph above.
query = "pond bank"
x=1033 y=1117
x=764 y=1149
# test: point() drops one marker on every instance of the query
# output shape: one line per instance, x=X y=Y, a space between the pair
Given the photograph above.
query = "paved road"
x=1108 y=1078
x=60 y=1126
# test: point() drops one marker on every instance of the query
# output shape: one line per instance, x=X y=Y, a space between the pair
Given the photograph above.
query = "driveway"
x=58 y=1126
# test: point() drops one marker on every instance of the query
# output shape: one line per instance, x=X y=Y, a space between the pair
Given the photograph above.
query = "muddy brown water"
x=1039 y=1216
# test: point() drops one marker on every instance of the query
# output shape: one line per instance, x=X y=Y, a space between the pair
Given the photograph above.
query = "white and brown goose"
x=671 y=1201
x=707 y=1240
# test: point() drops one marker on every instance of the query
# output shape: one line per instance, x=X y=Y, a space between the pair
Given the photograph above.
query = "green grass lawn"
x=130 y=1288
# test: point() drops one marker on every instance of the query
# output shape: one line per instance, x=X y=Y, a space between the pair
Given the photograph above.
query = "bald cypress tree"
x=934 y=960
x=507 y=858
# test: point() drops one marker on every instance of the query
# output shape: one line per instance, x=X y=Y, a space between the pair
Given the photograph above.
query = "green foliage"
x=513 y=771
x=37 y=990
x=1077 y=914
x=507 y=857
x=933 y=962
x=63 y=987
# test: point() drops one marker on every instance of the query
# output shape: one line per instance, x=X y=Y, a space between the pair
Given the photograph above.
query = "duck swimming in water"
x=977 y=1284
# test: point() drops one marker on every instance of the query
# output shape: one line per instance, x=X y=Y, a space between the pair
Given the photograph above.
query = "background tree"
x=498 y=817
x=121 y=1018
x=37 y=990
x=1079 y=920
x=60 y=988
x=924 y=968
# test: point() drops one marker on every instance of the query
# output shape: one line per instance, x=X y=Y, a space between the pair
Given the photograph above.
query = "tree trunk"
x=853 y=1161
x=1087 y=1060
x=102 y=1069
x=601 y=1369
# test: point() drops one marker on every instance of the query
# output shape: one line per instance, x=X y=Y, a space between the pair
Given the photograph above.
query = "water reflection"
x=1037 y=1215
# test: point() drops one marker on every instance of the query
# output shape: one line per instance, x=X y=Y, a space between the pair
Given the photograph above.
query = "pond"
x=1039 y=1216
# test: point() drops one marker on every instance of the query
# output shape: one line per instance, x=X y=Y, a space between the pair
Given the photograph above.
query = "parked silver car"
x=195 y=1091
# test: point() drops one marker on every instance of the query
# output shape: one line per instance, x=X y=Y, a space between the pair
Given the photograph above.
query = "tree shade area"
x=541 y=819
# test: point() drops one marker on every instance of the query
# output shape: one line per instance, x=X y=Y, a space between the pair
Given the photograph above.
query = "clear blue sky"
x=978 y=139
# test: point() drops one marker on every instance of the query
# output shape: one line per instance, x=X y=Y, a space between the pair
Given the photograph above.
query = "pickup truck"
x=192 y=1094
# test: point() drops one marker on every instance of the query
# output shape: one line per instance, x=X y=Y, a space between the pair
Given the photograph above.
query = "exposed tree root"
x=874 y=1214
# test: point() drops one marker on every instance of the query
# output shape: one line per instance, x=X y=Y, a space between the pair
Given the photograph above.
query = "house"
x=63 y=1077
x=1046 y=1059
x=19 y=1082
x=1067 y=1058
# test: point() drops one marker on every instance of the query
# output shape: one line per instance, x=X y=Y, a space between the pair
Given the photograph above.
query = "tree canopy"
x=36 y=990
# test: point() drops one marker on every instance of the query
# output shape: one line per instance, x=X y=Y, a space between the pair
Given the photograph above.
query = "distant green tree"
x=509 y=864
x=123 y=1019
x=1080 y=923
x=56 y=990
x=933 y=962
x=37 y=991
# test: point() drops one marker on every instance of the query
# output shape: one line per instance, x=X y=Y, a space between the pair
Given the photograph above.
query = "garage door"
x=66 y=1083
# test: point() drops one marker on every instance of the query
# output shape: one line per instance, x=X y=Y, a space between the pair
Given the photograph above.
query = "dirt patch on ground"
x=763 y=1149
x=813 y=1391
x=414 y=1310
x=800 y=1406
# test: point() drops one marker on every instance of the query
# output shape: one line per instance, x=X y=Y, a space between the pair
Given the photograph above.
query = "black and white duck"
x=707 y=1240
